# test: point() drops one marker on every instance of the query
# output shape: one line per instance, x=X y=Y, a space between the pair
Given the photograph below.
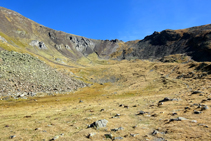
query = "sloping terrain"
x=148 y=100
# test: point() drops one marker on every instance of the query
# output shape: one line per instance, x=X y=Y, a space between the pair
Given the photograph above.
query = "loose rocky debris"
x=22 y=76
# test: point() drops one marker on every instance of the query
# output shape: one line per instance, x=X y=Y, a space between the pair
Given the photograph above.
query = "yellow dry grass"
x=139 y=84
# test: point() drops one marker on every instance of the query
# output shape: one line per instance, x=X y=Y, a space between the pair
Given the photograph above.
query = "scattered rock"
x=99 y=124
x=13 y=136
x=193 y=121
x=177 y=119
x=168 y=99
x=197 y=112
x=109 y=136
x=196 y=92
x=141 y=113
x=62 y=134
x=155 y=132
x=121 y=105
x=173 y=114
x=102 y=110
x=91 y=135
x=80 y=101
x=126 y=106
x=203 y=125
x=209 y=99
x=118 y=138
x=37 y=129
x=117 y=129
x=55 y=138
x=205 y=107
x=187 y=108
x=133 y=135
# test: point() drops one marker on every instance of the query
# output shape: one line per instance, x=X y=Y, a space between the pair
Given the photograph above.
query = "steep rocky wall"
x=194 y=42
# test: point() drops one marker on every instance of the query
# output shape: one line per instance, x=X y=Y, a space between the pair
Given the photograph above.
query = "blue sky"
x=113 y=19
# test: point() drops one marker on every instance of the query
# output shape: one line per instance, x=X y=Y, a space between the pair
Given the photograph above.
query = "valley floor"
x=149 y=101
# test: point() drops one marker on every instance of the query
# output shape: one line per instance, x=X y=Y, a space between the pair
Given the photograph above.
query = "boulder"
x=99 y=124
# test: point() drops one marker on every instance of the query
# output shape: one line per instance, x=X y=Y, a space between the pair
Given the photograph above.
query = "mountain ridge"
x=58 y=45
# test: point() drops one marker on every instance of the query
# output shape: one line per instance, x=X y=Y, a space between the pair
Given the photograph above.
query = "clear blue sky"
x=111 y=19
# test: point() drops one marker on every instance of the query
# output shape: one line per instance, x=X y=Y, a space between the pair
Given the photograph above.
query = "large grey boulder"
x=99 y=124
x=39 y=44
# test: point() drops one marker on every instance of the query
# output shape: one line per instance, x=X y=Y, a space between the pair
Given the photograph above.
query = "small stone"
x=115 y=129
x=197 y=112
x=109 y=136
x=55 y=138
x=37 y=129
x=126 y=106
x=193 y=121
x=120 y=128
x=117 y=115
x=196 y=92
x=165 y=99
x=155 y=132
x=102 y=110
x=177 y=119
x=141 y=113
x=173 y=114
x=187 y=108
x=118 y=138
x=181 y=118
x=91 y=135
x=80 y=101
x=13 y=136
x=135 y=126
x=205 y=107
x=133 y=135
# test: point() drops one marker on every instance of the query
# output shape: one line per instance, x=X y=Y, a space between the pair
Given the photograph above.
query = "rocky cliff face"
x=194 y=42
